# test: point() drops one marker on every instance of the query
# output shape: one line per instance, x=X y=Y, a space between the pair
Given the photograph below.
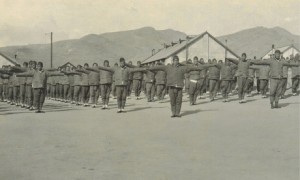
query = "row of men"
x=86 y=80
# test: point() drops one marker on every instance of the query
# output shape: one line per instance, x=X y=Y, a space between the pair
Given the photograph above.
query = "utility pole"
x=226 y=48
x=207 y=47
x=51 y=51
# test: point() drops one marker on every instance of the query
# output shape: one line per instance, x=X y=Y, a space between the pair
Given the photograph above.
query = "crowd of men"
x=28 y=86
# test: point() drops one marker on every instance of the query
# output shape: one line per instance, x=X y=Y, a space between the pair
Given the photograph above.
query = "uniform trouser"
x=283 y=86
x=22 y=93
x=129 y=87
x=206 y=84
x=144 y=86
x=194 y=90
x=250 y=83
x=257 y=85
x=263 y=85
x=84 y=94
x=187 y=84
x=160 y=91
x=1 y=92
x=94 y=94
x=16 y=91
x=5 y=89
x=226 y=88
x=48 y=92
x=29 y=95
x=213 y=88
x=137 y=87
x=233 y=83
x=71 y=93
x=10 y=93
x=150 y=90
x=57 y=95
x=61 y=91
x=121 y=92
x=105 y=92
x=202 y=86
x=275 y=90
x=77 y=93
x=113 y=89
x=218 y=88
x=53 y=90
x=242 y=85
x=66 y=88
x=295 y=84
x=39 y=97
x=175 y=95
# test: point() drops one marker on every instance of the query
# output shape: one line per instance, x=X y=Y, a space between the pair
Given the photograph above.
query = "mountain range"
x=139 y=44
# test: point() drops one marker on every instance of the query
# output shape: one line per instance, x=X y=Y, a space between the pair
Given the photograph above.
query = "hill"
x=258 y=41
x=138 y=44
x=133 y=45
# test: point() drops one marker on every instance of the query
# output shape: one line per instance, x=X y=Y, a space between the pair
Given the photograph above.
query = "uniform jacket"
x=214 y=73
x=121 y=74
x=160 y=77
x=276 y=67
x=39 y=78
x=176 y=74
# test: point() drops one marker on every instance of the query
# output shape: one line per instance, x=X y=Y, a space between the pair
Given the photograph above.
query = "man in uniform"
x=175 y=77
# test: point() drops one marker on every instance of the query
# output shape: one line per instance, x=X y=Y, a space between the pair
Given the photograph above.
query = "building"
x=67 y=64
x=287 y=51
x=203 y=46
x=5 y=60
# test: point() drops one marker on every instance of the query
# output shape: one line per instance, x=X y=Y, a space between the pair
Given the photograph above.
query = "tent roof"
x=172 y=50
x=8 y=58
x=282 y=49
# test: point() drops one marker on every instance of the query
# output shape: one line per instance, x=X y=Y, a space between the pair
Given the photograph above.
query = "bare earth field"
x=212 y=141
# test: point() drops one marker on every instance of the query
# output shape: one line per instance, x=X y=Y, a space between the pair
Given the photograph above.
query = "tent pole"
x=207 y=47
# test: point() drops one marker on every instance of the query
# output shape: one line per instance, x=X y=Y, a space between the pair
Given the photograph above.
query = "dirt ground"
x=212 y=141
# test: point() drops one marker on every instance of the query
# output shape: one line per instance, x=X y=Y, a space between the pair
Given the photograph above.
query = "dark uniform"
x=175 y=82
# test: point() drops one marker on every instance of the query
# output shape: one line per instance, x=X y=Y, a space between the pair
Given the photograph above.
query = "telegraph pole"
x=51 y=51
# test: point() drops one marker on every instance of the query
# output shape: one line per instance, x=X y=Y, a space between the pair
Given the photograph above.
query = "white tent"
x=203 y=46
x=286 y=51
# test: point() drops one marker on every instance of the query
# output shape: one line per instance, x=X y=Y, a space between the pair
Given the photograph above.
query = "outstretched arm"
x=55 y=74
x=132 y=70
x=83 y=71
x=199 y=68
x=291 y=64
x=25 y=74
x=93 y=69
x=260 y=62
x=157 y=68
x=106 y=68
x=235 y=61
x=18 y=69
x=72 y=73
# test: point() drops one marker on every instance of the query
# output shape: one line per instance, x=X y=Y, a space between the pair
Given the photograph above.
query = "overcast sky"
x=28 y=21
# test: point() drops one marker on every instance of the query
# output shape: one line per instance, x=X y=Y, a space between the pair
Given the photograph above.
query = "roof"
x=8 y=58
x=66 y=64
x=282 y=49
x=172 y=50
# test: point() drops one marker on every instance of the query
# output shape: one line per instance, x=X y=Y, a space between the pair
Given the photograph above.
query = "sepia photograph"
x=149 y=90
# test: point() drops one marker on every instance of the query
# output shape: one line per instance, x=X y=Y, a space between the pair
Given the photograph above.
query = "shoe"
x=179 y=116
x=212 y=99
x=173 y=116
x=94 y=106
x=276 y=105
x=294 y=94
x=123 y=111
x=103 y=107
x=119 y=111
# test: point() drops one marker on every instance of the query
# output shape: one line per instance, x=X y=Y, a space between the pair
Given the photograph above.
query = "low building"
x=203 y=46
